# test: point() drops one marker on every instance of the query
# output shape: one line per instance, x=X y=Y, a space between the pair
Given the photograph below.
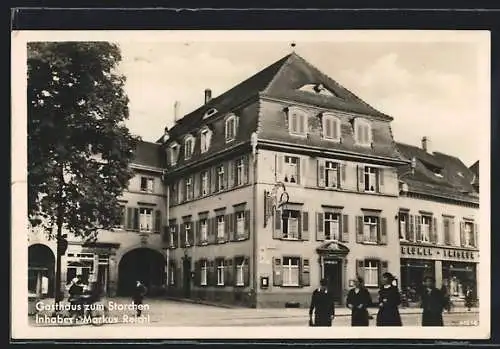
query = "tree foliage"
x=79 y=149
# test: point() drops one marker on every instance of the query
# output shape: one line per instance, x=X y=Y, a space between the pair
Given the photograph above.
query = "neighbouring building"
x=130 y=252
x=438 y=221
x=335 y=156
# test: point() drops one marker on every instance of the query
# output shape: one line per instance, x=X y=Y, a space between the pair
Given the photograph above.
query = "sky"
x=431 y=89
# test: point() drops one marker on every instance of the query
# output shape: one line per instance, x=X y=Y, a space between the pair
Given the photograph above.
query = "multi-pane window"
x=188 y=186
x=240 y=172
x=205 y=140
x=425 y=229
x=291 y=169
x=297 y=122
x=363 y=132
x=220 y=272
x=146 y=219
x=291 y=271
x=370 y=179
x=147 y=184
x=371 y=273
x=203 y=230
x=469 y=234
x=230 y=128
x=290 y=224
x=203 y=272
x=370 y=229
x=204 y=183
x=174 y=153
x=240 y=223
x=403 y=226
x=331 y=174
x=240 y=273
x=220 y=226
x=331 y=127
x=188 y=147
x=220 y=178
x=332 y=226
x=187 y=232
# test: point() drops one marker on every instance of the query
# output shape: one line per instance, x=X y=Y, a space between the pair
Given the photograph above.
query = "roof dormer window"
x=363 y=132
x=188 y=147
x=297 y=121
x=209 y=113
x=331 y=127
x=231 y=127
x=174 y=153
x=317 y=89
x=205 y=138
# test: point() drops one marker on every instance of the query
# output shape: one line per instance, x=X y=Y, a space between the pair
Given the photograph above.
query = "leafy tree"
x=79 y=149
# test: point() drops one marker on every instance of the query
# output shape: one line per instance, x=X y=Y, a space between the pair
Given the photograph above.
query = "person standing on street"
x=322 y=305
x=468 y=298
x=138 y=296
x=389 y=300
x=358 y=300
x=433 y=303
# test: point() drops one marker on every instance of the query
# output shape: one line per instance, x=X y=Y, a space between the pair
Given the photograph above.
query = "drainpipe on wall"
x=254 y=214
x=168 y=236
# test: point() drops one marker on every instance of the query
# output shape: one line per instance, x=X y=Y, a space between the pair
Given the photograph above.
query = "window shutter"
x=452 y=232
x=230 y=175
x=191 y=234
x=305 y=226
x=321 y=173
x=361 y=173
x=359 y=229
x=213 y=178
x=411 y=232
x=277 y=234
x=305 y=273
x=381 y=174
x=197 y=185
x=360 y=268
x=345 y=227
x=418 y=223
x=232 y=227
x=197 y=273
x=434 y=236
x=475 y=243
x=280 y=160
x=277 y=272
x=136 y=219
x=228 y=272
x=157 y=221
x=227 y=227
x=198 y=232
x=246 y=272
x=343 y=170
x=212 y=276
x=299 y=169
x=176 y=236
x=246 y=169
x=166 y=236
x=182 y=239
x=462 y=233
x=320 y=232
x=210 y=231
x=384 y=268
x=383 y=231
x=130 y=218
x=246 y=234
x=226 y=175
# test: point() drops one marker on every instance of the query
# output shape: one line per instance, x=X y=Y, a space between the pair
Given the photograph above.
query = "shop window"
x=291 y=271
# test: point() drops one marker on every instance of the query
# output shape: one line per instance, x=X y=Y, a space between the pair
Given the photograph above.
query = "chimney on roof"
x=165 y=135
x=426 y=144
x=176 y=111
x=208 y=95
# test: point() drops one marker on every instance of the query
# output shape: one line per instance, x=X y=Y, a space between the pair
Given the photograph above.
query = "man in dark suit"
x=434 y=302
x=322 y=305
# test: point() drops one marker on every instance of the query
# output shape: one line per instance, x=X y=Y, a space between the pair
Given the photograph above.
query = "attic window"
x=209 y=113
x=438 y=173
x=174 y=153
x=317 y=89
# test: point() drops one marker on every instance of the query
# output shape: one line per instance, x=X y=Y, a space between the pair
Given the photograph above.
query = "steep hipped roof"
x=148 y=154
x=281 y=79
x=455 y=181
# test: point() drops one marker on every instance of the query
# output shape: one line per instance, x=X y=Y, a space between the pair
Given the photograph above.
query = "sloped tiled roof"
x=148 y=154
x=456 y=180
x=281 y=79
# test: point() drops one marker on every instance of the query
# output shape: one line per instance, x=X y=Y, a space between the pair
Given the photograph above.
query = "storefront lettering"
x=438 y=253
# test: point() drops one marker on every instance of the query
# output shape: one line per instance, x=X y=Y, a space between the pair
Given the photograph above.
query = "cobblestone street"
x=173 y=313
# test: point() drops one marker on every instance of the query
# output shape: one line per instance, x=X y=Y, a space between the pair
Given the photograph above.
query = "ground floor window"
x=240 y=272
x=291 y=271
x=458 y=277
x=413 y=272
x=371 y=273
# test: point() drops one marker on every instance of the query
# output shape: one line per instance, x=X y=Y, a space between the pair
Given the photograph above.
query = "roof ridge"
x=280 y=70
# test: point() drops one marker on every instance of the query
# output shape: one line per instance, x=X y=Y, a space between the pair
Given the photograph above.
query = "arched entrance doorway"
x=41 y=264
x=142 y=264
x=332 y=257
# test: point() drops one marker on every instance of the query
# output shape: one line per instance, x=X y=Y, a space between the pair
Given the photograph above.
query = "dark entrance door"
x=333 y=275
x=186 y=276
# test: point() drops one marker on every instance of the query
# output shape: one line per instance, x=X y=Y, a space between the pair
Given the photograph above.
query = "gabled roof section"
x=475 y=168
x=148 y=154
x=455 y=181
x=296 y=72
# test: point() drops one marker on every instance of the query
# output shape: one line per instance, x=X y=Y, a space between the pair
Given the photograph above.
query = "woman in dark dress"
x=358 y=300
x=389 y=300
x=434 y=302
